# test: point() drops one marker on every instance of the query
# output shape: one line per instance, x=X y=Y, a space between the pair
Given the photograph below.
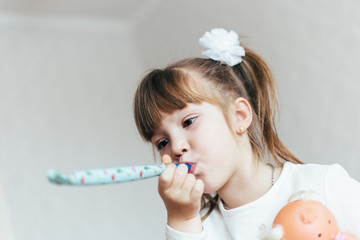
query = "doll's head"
x=305 y=218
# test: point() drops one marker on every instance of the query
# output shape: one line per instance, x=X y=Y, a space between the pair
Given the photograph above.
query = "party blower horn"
x=108 y=175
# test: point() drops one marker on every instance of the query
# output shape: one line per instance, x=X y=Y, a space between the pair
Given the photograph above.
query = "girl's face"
x=199 y=134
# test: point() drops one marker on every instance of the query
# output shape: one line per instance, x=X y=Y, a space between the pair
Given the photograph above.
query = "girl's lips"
x=192 y=169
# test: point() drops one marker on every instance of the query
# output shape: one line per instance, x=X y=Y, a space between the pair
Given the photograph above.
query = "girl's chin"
x=209 y=185
x=209 y=189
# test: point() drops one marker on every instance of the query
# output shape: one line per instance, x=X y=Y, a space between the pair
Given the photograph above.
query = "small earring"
x=241 y=131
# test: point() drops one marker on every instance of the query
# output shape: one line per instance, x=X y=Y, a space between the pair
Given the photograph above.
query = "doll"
x=305 y=217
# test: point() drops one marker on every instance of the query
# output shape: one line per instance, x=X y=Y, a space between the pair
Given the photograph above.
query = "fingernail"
x=187 y=164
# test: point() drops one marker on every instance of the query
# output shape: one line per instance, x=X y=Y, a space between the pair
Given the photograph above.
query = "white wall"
x=66 y=93
x=66 y=89
x=6 y=231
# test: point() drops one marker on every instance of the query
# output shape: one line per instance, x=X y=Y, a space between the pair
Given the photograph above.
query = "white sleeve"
x=342 y=196
x=172 y=234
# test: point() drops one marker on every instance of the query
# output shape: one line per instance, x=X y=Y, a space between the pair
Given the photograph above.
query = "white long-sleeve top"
x=340 y=192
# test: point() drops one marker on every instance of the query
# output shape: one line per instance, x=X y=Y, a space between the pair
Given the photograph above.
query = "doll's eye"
x=188 y=122
x=162 y=144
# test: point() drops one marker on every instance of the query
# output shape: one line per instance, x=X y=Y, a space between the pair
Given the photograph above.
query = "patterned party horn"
x=108 y=175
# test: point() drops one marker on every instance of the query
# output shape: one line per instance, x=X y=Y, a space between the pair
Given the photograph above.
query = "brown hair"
x=166 y=90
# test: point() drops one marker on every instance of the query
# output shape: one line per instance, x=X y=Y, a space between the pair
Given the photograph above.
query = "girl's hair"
x=195 y=80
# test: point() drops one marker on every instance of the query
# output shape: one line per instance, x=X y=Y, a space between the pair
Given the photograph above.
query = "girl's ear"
x=243 y=115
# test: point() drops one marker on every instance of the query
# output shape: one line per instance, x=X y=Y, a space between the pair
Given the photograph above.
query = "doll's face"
x=307 y=219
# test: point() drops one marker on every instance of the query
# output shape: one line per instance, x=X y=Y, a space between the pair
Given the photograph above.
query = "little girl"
x=217 y=114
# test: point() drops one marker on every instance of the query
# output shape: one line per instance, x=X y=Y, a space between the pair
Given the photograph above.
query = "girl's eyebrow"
x=154 y=136
x=157 y=132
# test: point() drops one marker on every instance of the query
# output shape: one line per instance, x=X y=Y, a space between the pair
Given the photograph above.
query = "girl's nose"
x=179 y=148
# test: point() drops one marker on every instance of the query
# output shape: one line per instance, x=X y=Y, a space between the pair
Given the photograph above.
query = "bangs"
x=162 y=91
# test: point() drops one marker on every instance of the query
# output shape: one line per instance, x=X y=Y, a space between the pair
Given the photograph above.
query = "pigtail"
x=210 y=203
x=258 y=81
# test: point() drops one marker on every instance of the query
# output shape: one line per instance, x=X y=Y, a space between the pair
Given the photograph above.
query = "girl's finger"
x=188 y=183
x=166 y=178
x=198 y=190
x=166 y=159
x=179 y=176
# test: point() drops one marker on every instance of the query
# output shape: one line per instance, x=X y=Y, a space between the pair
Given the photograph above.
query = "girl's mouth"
x=192 y=168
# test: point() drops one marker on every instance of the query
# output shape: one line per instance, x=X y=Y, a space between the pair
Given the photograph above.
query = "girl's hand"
x=181 y=193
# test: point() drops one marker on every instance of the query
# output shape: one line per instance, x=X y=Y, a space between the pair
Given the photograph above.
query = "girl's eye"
x=189 y=121
x=162 y=144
